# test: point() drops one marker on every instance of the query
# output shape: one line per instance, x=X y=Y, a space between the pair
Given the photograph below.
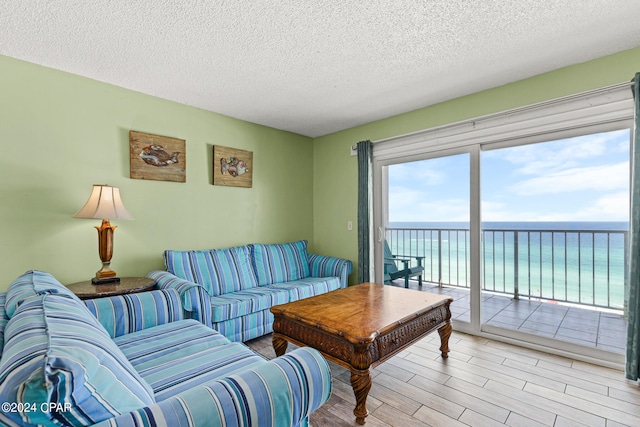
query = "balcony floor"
x=602 y=329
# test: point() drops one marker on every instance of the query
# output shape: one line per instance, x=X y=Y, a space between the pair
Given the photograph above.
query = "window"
x=559 y=126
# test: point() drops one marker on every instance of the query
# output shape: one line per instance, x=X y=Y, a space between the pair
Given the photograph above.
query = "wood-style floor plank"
x=483 y=383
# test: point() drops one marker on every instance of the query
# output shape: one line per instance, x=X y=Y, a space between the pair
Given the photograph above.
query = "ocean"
x=575 y=262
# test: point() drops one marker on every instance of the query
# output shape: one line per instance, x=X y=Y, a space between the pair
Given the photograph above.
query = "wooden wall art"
x=156 y=157
x=232 y=167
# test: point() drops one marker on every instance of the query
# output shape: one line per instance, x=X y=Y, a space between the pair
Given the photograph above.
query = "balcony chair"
x=391 y=271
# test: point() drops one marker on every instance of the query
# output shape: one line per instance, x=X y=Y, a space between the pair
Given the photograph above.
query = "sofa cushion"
x=241 y=303
x=188 y=368
x=163 y=343
x=181 y=355
x=219 y=271
x=57 y=352
x=33 y=282
x=308 y=287
x=277 y=263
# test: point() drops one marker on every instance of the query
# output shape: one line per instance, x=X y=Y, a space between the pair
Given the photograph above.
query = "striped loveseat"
x=232 y=289
x=135 y=360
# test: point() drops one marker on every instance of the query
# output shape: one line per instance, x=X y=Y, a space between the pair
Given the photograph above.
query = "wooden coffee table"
x=361 y=326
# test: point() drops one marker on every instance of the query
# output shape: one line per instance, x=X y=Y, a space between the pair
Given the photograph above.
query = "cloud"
x=429 y=172
x=535 y=159
x=595 y=178
x=612 y=207
x=416 y=172
x=413 y=205
x=578 y=179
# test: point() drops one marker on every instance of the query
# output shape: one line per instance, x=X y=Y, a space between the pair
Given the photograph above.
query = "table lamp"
x=104 y=203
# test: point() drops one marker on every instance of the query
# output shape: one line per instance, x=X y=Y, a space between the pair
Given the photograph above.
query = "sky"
x=584 y=178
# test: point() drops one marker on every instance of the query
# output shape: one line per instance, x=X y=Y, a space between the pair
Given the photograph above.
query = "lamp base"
x=105 y=280
x=105 y=275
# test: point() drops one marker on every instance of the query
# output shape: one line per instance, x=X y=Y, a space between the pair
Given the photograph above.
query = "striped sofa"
x=135 y=360
x=232 y=289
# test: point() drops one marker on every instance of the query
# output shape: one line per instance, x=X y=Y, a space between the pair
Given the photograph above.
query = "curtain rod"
x=354 y=147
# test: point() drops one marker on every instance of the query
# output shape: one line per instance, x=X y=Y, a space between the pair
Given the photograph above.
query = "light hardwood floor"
x=483 y=383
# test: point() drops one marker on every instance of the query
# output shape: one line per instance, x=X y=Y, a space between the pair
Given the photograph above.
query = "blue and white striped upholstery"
x=220 y=288
x=158 y=370
x=195 y=298
x=241 y=303
x=125 y=314
x=308 y=287
x=327 y=266
x=3 y=319
x=248 y=327
x=220 y=271
x=258 y=323
x=188 y=372
x=277 y=263
x=33 y=282
x=241 y=319
x=179 y=356
x=279 y=393
x=163 y=343
x=56 y=351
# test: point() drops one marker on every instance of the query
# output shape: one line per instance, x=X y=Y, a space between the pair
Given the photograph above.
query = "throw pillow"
x=33 y=282
x=278 y=263
x=219 y=271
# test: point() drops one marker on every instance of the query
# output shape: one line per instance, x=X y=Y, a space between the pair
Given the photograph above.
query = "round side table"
x=127 y=285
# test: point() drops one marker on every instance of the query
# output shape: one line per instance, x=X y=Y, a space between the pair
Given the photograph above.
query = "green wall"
x=61 y=133
x=335 y=171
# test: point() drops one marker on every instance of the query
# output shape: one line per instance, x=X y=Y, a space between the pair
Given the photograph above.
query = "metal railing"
x=576 y=266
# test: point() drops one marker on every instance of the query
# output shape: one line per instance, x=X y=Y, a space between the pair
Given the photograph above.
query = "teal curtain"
x=364 y=209
x=633 y=329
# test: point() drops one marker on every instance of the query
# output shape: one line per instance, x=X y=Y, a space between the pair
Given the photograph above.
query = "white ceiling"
x=314 y=67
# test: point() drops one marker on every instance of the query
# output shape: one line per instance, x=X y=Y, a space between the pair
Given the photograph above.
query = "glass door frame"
x=381 y=221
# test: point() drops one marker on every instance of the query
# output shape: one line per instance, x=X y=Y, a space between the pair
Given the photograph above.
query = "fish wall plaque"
x=156 y=157
x=232 y=167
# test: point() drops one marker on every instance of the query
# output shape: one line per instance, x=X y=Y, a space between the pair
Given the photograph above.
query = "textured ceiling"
x=314 y=67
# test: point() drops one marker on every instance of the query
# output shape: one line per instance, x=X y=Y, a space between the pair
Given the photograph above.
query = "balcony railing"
x=575 y=266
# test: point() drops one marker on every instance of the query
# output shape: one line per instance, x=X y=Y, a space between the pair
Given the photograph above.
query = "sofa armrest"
x=124 y=314
x=196 y=301
x=327 y=266
x=281 y=392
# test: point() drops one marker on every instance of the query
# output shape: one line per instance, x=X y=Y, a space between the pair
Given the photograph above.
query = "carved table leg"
x=279 y=345
x=445 y=333
x=361 y=383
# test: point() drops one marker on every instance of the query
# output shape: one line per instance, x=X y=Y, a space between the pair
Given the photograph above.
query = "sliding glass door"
x=555 y=227
x=426 y=223
x=522 y=216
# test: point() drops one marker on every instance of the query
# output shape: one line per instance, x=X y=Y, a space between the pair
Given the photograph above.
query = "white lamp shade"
x=104 y=203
